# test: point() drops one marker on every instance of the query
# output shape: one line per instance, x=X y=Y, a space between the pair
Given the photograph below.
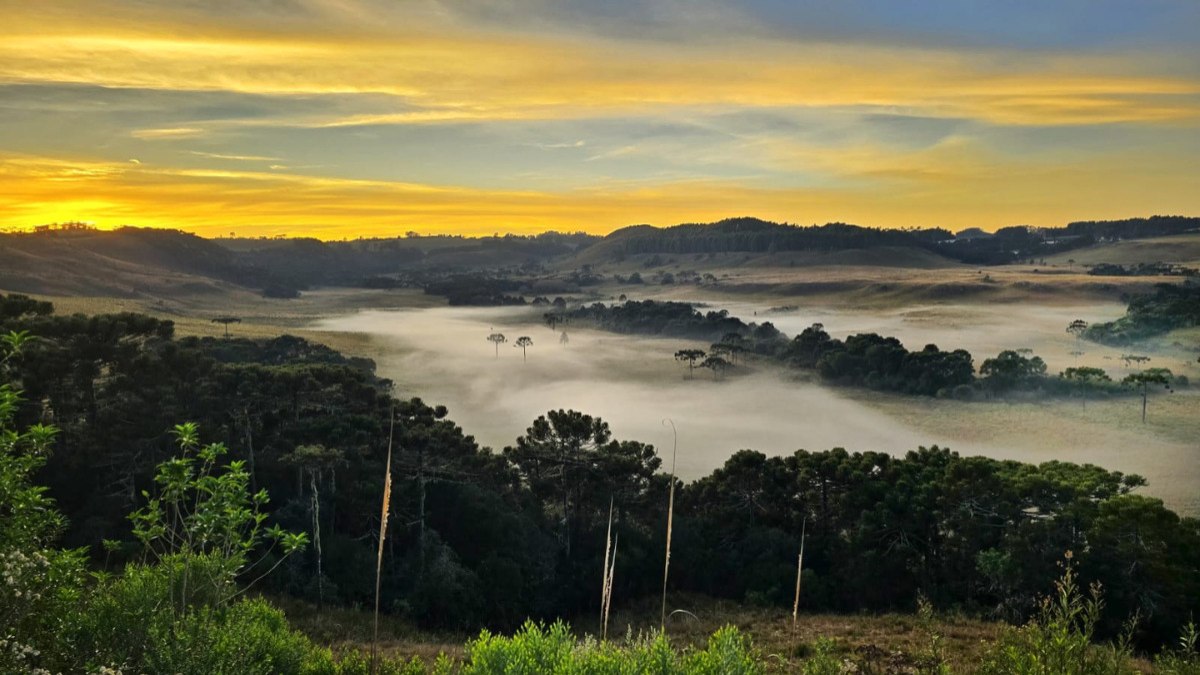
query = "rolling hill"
x=1183 y=249
x=129 y=262
x=766 y=243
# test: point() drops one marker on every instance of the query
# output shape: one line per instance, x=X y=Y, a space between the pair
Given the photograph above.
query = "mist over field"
x=633 y=383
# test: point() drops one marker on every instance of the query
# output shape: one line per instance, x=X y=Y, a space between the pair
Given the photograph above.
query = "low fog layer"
x=443 y=356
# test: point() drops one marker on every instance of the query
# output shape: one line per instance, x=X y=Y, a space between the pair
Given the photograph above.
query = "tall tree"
x=717 y=365
x=690 y=356
x=319 y=464
x=1142 y=381
x=573 y=467
x=524 y=342
x=1077 y=328
x=225 y=321
x=497 y=339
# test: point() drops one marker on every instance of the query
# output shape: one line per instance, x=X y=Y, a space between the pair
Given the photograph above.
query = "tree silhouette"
x=717 y=365
x=690 y=356
x=1131 y=359
x=1083 y=378
x=316 y=461
x=1077 y=328
x=497 y=339
x=524 y=342
x=226 y=320
x=731 y=344
x=1141 y=383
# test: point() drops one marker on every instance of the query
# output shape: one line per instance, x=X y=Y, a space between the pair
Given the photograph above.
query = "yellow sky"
x=347 y=119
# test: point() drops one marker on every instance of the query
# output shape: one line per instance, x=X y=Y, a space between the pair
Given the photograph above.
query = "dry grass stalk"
x=611 y=574
x=383 y=520
x=799 y=571
x=662 y=626
x=610 y=555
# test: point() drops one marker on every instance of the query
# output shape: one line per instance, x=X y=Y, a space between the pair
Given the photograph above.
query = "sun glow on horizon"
x=359 y=118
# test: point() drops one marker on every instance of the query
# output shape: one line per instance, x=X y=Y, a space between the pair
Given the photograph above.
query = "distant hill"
x=1025 y=243
x=761 y=237
x=1181 y=249
x=129 y=262
x=123 y=263
x=78 y=260
x=306 y=262
x=765 y=238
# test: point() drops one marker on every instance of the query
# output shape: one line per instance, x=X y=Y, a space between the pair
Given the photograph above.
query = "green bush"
x=1059 y=641
x=537 y=649
x=134 y=623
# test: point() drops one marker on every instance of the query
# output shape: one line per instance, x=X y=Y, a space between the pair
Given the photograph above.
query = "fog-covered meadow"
x=442 y=355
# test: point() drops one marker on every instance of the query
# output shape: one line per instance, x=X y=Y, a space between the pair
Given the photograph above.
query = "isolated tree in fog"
x=690 y=356
x=226 y=320
x=497 y=339
x=524 y=342
x=1142 y=381
x=1077 y=328
x=1131 y=359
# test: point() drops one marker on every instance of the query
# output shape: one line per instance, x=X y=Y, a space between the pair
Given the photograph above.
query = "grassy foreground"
x=876 y=642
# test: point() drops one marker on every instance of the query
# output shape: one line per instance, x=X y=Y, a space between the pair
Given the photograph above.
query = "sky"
x=347 y=118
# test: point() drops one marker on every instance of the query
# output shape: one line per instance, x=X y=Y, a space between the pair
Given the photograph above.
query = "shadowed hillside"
x=764 y=238
x=123 y=263
x=856 y=245
x=132 y=262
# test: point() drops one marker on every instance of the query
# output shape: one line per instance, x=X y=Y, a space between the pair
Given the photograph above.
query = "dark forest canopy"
x=863 y=360
x=484 y=538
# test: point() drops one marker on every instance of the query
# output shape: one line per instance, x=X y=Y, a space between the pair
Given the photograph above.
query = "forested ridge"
x=1008 y=244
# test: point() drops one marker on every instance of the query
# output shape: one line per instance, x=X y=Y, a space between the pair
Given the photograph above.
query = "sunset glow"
x=344 y=118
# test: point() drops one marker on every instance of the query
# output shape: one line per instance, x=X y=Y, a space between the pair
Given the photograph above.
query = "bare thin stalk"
x=611 y=574
x=604 y=581
x=387 y=497
x=799 y=570
x=662 y=626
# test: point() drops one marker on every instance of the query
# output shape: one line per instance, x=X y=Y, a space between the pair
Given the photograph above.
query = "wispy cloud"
x=236 y=158
x=167 y=133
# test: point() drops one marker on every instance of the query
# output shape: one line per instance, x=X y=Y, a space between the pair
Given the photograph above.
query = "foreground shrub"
x=131 y=623
x=537 y=649
x=1060 y=640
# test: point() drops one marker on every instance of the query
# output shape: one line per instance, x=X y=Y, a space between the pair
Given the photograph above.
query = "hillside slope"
x=123 y=263
x=1183 y=249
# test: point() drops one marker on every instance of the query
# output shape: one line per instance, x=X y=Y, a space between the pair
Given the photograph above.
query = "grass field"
x=1181 y=249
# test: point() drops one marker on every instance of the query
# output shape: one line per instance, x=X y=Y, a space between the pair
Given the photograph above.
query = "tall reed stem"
x=662 y=626
x=799 y=571
x=610 y=554
x=383 y=519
